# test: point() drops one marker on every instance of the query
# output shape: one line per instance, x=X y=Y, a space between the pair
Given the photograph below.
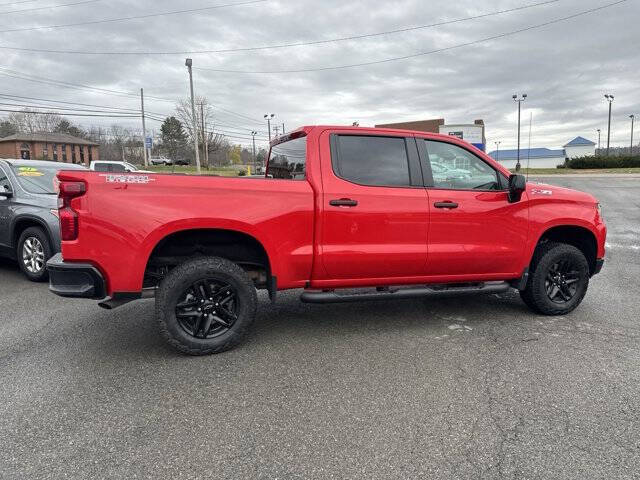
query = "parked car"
x=161 y=161
x=115 y=167
x=181 y=161
x=29 y=230
x=342 y=208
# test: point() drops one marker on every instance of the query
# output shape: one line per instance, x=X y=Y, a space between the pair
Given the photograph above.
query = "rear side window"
x=101 y=167
x=288 y=160
x=371 y=160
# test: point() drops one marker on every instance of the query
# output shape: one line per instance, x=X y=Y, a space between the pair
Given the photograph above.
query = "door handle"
x=343 y=202
x=445 y=205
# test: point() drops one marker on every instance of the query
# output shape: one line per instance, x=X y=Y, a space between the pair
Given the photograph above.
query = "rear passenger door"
x=375 y=208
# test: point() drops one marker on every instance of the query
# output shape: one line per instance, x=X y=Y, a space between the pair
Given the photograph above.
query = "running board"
x=384 y=293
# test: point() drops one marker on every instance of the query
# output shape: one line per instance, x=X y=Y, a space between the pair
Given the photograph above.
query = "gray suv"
x=29 y=229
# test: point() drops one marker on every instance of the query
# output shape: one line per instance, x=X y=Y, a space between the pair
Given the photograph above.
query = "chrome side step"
x=386 y=293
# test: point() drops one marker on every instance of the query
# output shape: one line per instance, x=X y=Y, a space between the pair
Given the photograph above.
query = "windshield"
x=37 y=179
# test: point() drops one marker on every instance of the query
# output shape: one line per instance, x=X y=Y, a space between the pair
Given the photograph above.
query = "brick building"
x=57 y=147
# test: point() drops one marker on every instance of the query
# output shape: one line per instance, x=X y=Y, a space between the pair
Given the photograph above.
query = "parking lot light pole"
x=188 y=62
x=519 y=102
x=268 y=117
x=253 y=138
x=598 y=138
x=497 y=151
x=609 y=99
x=632 y=117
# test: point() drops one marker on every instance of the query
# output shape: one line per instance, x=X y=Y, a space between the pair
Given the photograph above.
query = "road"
x=457 y=388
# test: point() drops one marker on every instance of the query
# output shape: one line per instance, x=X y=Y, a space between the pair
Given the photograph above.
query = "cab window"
x=455 y=168
x=288 y=160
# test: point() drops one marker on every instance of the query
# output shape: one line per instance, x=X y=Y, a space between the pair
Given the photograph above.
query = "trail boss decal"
x=120 y=178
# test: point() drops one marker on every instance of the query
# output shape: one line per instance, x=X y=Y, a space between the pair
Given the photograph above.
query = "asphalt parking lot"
x=457 y=388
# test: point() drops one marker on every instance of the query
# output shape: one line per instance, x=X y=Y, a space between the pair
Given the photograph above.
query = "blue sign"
x=148 y=142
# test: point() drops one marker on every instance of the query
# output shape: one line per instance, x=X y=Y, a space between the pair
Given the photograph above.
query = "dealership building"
x=469 y=132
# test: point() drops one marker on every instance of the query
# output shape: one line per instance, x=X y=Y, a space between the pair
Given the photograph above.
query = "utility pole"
x=276 y=129
x=268 y=117
x=144 y=130
x=598 y=139
x=609 y=99
x=283 y=128
x=188 y=62
x=204 y=137
x=632 y=117
x=497 y=151
x=519 y=101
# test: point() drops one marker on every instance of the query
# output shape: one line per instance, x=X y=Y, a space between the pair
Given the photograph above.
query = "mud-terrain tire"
x=210 y=296
x=558 y=279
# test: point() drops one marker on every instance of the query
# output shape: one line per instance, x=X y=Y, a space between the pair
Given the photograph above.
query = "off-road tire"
x=39 y=234
x=535 y=294
x=179 y=279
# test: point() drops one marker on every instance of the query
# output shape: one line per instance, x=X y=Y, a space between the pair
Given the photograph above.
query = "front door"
x=375 y=210
x=474 y=230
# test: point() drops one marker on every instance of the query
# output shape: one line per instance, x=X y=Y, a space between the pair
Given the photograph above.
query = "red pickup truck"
x=344 y=213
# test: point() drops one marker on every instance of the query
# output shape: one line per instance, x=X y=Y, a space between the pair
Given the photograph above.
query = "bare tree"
x=29 y=121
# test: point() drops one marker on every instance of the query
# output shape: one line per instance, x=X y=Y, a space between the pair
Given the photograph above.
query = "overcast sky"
x=565 y=68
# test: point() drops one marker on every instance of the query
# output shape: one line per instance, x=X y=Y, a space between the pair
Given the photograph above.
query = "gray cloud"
x=564 y=68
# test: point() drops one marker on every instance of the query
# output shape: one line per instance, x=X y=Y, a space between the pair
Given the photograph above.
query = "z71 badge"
x=536 y=191
x=120 y=178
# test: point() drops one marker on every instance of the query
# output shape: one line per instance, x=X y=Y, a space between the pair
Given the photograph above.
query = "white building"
x=579 y=147
x=545 y=157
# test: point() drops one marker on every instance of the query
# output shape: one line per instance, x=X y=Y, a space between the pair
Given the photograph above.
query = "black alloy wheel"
x=207 y=308
x=562 y=281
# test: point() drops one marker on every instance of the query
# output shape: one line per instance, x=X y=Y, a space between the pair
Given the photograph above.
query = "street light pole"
x=253 y=137
x=188 y=62
x=268 y=117
x=144 y=129
x=609 y=99
x=519 y=101
x=598 y=139
x=632 y=117
x=497 y=151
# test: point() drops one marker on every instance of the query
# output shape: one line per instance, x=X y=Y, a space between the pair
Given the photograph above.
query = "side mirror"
x=517 y=185
x=5 y=192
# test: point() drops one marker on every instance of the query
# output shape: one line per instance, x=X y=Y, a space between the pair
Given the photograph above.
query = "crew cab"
x=343 y=213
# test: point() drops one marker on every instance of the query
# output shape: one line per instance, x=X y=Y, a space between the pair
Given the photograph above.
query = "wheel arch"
x=232 y=243
x=21 y=223
x=581 y=237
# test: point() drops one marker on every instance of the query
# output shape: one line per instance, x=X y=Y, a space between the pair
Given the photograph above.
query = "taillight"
x=67 y=215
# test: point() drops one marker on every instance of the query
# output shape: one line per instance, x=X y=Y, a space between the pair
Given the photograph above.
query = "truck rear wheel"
x=558 y=279
x=205 y=305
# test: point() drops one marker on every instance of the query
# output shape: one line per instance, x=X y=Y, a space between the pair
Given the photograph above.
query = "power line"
x=16 y=3
x=50 y=7
x=62 y=108
x=133 y=17
x=71 y=114
x=8 y=96
x=284 y=45
x=414 y=55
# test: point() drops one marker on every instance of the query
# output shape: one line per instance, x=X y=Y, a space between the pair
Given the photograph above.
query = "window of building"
x=73 y=154
x=25 y=151
x=288 y=160
x=45 y=152
x=64 y=153
x=81 y=155
x=55 y=152
x=455 y=168
x=371 y=160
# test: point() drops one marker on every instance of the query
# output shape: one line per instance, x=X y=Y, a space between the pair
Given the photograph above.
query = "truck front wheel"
x=558 y=279
x=205 y=305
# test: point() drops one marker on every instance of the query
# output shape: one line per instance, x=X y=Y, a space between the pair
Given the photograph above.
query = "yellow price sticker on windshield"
x=29 y=172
